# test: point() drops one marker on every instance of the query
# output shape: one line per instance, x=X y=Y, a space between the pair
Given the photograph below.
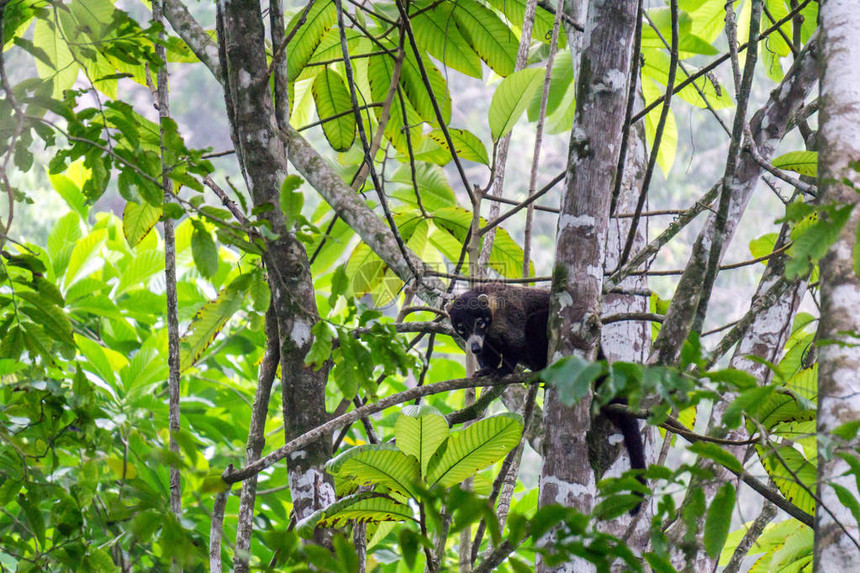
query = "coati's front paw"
x=487 y=371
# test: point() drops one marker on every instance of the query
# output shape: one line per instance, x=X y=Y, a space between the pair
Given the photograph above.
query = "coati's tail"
x=629 y=428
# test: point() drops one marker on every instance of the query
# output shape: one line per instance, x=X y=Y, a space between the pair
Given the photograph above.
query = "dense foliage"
x=83 y=359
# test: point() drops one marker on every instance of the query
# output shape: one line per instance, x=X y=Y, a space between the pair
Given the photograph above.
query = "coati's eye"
x=481 y=323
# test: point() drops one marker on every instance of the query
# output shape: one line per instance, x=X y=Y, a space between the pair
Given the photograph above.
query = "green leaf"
x=717 y=454
x=417 y=92
x=436 y=32
x=669 y=141
x=419 y=432
x=747 y=402
x=320 y=18
x=432 y=182
x=138 y=219
x=332 y=98
x=572 y=377
x=209 y=321
x=377 y=465
x=847 y=499
x=718 y=520
x=203 y=250
x=292 y=200
x=474 y=448
x=514 y=11
x=62 y=240
x=466 y=144
x=763 y=245
x=366 y=507
x=84 y=253
x=488 y=35
x=63 y=69
x=137 y=270
x=511 y=98
x=802 y=162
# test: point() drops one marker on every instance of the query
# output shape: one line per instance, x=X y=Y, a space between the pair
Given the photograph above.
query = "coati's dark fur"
x=504 y=326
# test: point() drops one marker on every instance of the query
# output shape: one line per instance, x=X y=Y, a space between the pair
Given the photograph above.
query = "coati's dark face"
x=471 y=316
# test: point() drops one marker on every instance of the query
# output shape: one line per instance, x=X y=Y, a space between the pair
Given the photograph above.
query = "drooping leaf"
x=488 y=35
x=466 y=144
x=511 y=98
x=138 y=219
x=320 y=18
x=436 y=31
x=419 y=96
x=332 y=98
x=203 y=250
x=209 y=321
x=718 y=520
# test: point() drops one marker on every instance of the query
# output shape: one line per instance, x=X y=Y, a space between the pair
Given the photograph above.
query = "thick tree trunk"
x=836 y=531
x=263 y=159
x=580 y=251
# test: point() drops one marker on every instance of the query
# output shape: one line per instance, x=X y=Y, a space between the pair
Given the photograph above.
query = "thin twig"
x=738 y=130
x=553 y=46
x=710 y=67
x=232 y=475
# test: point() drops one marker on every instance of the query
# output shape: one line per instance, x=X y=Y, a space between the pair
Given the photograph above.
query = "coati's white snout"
x=475 y=343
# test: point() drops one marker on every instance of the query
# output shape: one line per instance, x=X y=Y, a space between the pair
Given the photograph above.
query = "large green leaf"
x=436 y=31
x=669 y=141
x=62 y=240
x=332 y=98
x=432 y=182
x=63 y=69
x=803 y=162
x=506 y=258
x=416 y=90
x=377 y=464
x=419 y=432
x=136 y=270
x=656 y=67
x=380 y=70
x=82 y=260
x=320 y=18
x=488 y=35
x=210 y=319
x=718 y=520
x=514 y=11
x=474 y=448
x=511 y=98
x=561 y=80
x=138 y=219
x=466 y=144
x=793 y=474
x=365 y=507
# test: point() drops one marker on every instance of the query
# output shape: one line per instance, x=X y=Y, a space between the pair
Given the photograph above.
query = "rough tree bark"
x=836 y=531
x=262 y=156
x=580 y=251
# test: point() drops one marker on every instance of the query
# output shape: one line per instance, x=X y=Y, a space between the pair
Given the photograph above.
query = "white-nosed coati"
x=504 y=326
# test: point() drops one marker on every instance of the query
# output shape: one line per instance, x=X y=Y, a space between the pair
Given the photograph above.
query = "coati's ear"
x=449 y=307
x=490 y=301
